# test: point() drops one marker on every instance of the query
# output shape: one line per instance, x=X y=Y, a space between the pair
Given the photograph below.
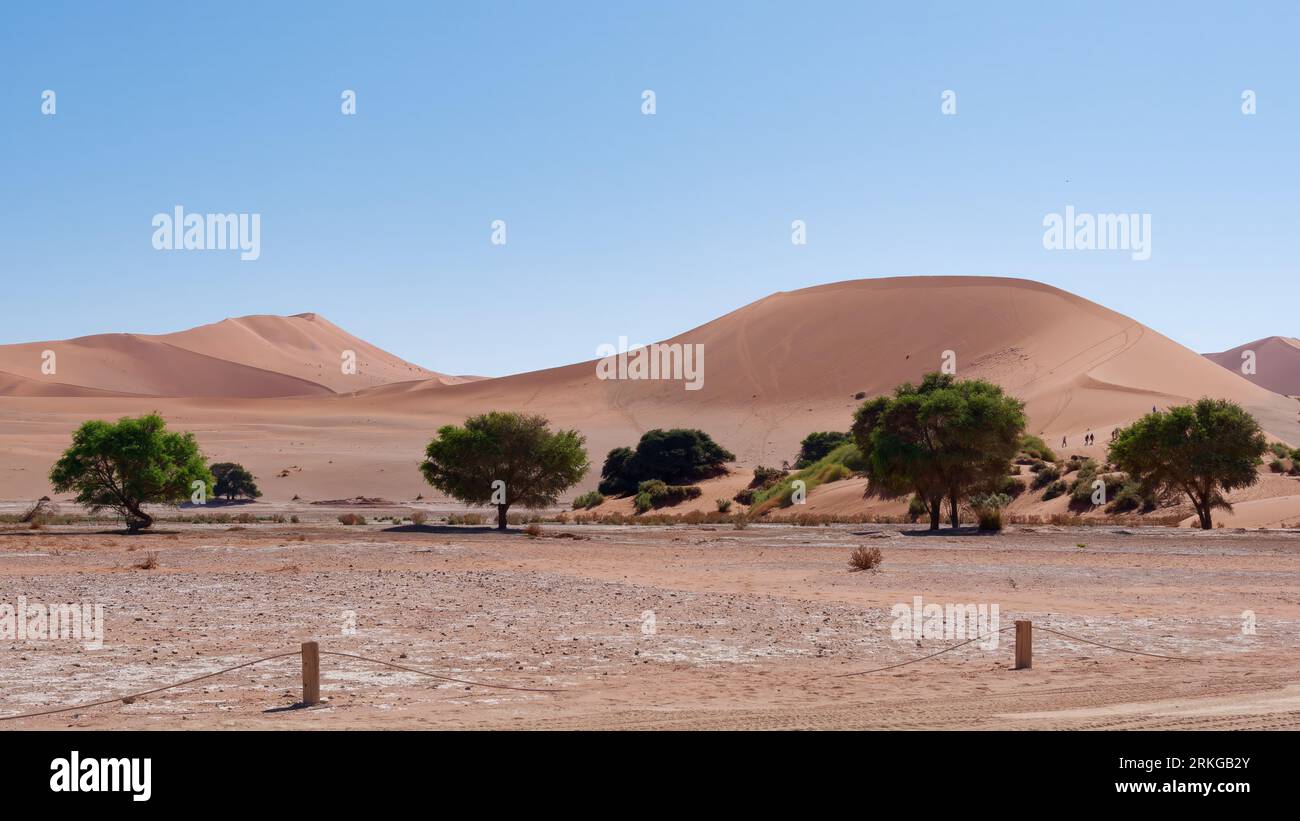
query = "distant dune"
x=1276 y=363
x=266 y=391
x=252 y=356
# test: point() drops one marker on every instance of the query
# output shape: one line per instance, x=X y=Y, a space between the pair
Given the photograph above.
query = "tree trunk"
x=953 y=514
x=502 y=520
x=1204 y=514
x=137 y=519
x=936 y=511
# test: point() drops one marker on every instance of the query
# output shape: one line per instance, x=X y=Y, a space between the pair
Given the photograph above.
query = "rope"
x=133 y=696
x=922 y=658
x=1117 y=649
x=441 y=678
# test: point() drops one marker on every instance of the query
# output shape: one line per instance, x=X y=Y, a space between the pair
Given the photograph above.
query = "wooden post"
x=1024 y=644
x=311 y=673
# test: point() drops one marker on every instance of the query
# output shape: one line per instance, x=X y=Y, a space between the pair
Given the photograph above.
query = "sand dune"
x=774 y=370
x=252 y=356
x=1276 y=361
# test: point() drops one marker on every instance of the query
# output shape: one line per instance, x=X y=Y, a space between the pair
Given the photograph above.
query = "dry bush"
x=149 y=562
x=533 y=530
x=352 y=518
x=419 y=517
x=865 y=558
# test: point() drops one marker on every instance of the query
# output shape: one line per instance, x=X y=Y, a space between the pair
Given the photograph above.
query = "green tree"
x=532 y=464
x=127 y=464
x=942 y=439
x=676 y=457
x=232 y=481
x=816 y=445
x=1203 y=450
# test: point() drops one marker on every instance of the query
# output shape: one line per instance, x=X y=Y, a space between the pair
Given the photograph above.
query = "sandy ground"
x=750 y=627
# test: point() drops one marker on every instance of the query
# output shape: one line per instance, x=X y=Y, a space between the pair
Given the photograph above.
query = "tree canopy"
x=1203 y=450
x=124 y=465
x=816 y=445
x=233 y=481
x=677 y=456
x=505 y=459
x=944 y=438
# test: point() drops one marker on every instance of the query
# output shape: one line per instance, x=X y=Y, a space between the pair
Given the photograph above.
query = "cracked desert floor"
x=683 y=627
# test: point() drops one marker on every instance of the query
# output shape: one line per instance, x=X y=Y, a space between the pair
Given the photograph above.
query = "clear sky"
x=620 y=223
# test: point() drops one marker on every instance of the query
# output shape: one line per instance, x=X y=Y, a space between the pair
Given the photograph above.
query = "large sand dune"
x=774 y=370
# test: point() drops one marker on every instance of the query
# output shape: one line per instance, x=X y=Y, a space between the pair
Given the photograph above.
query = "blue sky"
x=625 y=224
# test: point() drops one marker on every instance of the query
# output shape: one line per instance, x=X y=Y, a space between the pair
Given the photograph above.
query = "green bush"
x=766 y=477
x=1035 y=447
x=678 y=455
x=724 y=505
x=840 y=463
x=588 y=500
x=1055 y=489
x=815 y=446
x=1046 y=476
x=916 y=508
x=655 y=493
x=988 y=509
x=1276 y=466
x=1279 y=450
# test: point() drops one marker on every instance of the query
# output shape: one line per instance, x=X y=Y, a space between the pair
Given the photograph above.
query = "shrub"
x=724 y=505
x=745 y=497
x=588 y=500
x=419 y=517
x=1131 y=497
x=740 y=521
x=1055 y=489
x=988 y=509
x=865 y=558
x=815 y=446
x=1276 y=466
x=654 y=493
x=766 y=477
x=465 y=519
x=352 y=518
x=294 y=519
x=916 y=508
x=834 y=466
x=534 y=530
x=1037 y=466
x=1035 y=447
x=1046 y=476
x=1279 y=450
x=680 y=455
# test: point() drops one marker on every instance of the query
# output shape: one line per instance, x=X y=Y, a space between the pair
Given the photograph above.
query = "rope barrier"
x=922 y=658
x=442 y=678
x=1117 y=649
x=132 y=696
x=128 y=698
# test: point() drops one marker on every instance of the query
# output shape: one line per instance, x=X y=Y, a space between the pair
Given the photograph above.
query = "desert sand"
x=752 y=629
x=1276 y=364
x=775 y=370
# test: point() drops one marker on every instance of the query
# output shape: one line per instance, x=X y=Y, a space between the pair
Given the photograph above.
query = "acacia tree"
x=1203 y=450
x=942 y=439
x=127 y=464
x=232 y=480
x=505 y=459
